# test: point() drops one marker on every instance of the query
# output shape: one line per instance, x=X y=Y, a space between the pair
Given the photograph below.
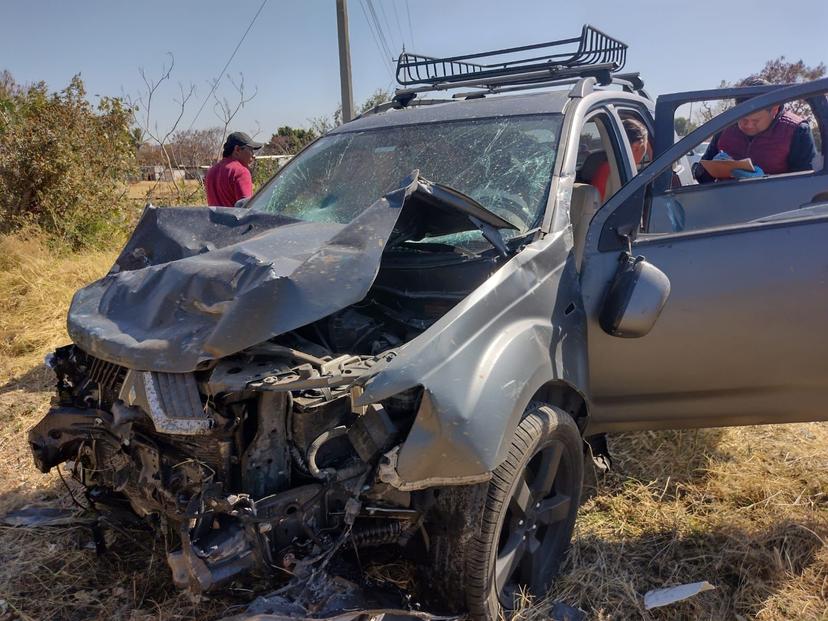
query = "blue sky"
x=290 y=54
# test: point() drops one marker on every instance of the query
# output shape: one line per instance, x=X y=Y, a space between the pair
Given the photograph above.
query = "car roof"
x=549 y=102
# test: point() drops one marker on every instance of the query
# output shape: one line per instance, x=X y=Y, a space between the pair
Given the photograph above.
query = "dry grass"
x=743 y=508
x=37 y=285
x=191 y=189
x=746 y=509
x=54 y=573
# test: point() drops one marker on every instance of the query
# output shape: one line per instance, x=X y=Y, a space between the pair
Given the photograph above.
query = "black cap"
x=241 y=139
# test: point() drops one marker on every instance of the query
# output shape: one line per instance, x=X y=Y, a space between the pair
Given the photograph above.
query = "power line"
x=376 y=40
x=388 y=28
x=410 y=29
x=371 y=29
x=373 y=34
x=226 y=65
x=397 y=19
x=383 y=40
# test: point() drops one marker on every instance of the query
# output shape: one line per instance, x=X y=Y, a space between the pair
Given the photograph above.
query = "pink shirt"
x=226 y=182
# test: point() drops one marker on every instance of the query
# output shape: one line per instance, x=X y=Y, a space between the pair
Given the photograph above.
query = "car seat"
x=586 y=199
x=590 y=166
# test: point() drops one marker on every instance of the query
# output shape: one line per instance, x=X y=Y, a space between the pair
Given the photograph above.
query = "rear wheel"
x=528 y=513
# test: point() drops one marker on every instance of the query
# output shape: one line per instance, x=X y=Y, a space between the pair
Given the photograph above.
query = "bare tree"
x=321 y=125
x=226 y=111
x=711 y=109
x=197 y=147
x=175 y=147
x=775 y=71
x=149 y=126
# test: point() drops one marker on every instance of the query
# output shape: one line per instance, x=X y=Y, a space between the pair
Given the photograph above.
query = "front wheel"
x=527 y=515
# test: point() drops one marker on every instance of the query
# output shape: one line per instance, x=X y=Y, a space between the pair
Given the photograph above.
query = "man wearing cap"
x=229 y=180
x=775 y=140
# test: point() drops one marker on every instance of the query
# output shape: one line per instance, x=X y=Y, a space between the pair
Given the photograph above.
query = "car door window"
x=599 y=162
x=638 y=119
x=734 y=202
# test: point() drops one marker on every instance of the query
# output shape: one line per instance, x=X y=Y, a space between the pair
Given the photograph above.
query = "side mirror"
x=635 y=298
x=241 y=202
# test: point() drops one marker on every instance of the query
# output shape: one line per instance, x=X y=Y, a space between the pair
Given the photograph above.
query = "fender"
x=482 y=362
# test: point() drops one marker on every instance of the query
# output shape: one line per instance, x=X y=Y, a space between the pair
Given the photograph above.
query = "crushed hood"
x=200 y=283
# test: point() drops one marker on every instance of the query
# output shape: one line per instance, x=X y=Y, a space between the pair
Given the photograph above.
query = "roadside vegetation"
x=63 y=162
x=745 y=509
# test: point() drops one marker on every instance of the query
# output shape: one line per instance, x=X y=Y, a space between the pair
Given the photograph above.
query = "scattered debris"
x=671 y=595
x=33 y=516
x=565 y=612
x=325 y=597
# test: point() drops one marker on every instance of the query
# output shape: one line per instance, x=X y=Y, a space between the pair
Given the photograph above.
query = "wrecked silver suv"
x=402 y=343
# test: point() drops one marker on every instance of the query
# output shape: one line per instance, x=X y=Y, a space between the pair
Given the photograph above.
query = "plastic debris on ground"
x=36 y=516
x=325 y=597
x=563 y=612
x=671 y=595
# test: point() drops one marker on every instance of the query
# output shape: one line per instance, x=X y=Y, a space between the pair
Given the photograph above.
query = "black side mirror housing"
x=635 y=298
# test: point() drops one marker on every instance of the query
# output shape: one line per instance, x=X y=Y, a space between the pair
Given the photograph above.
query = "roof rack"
x=594 y=53
x=395 y=104
x=629 y=82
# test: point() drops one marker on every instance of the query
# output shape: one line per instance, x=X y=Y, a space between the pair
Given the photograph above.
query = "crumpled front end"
x=260 y=464
x=266 y=404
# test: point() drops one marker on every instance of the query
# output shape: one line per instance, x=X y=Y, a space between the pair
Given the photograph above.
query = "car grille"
x=106 y=374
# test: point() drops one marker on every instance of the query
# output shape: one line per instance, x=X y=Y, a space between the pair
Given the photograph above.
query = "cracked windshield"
x=504 y=163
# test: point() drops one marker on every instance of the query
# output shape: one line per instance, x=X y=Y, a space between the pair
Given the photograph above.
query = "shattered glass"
x=503 y=163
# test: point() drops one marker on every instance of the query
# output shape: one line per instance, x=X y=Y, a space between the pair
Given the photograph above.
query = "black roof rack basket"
x=592 y=51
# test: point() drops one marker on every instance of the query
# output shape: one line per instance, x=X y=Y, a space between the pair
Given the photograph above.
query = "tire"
x=526 y=516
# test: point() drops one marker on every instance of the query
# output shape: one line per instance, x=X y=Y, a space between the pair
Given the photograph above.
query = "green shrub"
x=263 y=171
x=63 y=163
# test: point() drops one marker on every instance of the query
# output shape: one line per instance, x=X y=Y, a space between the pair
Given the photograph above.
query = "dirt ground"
x=745 y=509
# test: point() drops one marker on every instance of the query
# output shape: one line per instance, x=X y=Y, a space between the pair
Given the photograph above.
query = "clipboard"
x=723 y=169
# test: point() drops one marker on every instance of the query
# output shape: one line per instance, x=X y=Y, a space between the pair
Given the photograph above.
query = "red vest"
x=768 y=150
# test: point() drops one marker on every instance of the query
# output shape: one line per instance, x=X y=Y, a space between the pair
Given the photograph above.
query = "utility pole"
x=344 y=61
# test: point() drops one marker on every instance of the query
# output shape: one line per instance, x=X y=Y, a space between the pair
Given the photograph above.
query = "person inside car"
x=640 y=145
x=777 y=141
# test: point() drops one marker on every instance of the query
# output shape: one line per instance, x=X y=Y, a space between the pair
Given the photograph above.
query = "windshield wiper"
x=442 y=210
x=492 y=236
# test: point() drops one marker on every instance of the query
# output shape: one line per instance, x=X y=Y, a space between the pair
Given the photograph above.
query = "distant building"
x=195 y=172
x=279 y=159
x=175 y=174
x=152 y=173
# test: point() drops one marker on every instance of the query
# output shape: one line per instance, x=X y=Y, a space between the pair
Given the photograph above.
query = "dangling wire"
x=71 y=494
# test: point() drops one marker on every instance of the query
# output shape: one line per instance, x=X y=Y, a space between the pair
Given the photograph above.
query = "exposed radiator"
x=106 y=374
